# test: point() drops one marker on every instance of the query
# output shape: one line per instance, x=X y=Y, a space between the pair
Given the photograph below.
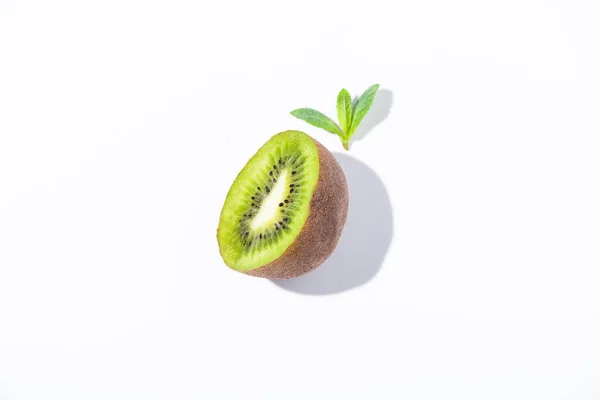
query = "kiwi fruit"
x=285 y=211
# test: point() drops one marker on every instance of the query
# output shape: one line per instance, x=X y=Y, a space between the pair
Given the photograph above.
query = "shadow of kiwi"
x=365 y=239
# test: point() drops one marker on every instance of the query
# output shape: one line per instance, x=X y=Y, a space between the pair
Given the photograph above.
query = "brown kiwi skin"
x=321 y=231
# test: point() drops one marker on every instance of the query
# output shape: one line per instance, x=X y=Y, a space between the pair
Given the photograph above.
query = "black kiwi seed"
x=246 y=234
x=284 y=227
x=271 y=173
x=268 y=190
x=286 y=219
x=274 y=166
x=274 y=180
x=253 y=205
x=292 y=185
x=293 y=172
x=286 y=201
x=291 y=190
x=280 y=204
x=280 y=223
x=260 y=236
x=253 y=198
x=258 y=187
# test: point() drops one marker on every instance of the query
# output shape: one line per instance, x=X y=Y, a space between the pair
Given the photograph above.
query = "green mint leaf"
x=344 y=110
x=317 y=119
x=362 y=107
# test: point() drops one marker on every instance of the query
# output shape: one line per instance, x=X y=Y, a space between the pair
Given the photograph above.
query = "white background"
x=470 y=264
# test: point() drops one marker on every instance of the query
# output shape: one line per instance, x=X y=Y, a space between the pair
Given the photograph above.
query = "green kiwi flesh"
x=269 y=226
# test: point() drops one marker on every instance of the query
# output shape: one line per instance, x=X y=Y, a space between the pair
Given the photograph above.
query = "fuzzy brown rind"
x=322 y=229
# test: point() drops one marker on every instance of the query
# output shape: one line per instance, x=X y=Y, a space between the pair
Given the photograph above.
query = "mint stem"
x=349 y=116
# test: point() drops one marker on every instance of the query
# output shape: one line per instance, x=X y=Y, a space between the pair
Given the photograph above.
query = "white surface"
x=470 y=265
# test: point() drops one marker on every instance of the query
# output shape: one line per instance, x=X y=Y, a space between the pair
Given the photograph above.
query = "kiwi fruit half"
x=285 y=211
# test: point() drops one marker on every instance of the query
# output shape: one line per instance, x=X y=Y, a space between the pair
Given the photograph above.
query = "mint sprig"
x=349 y=116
